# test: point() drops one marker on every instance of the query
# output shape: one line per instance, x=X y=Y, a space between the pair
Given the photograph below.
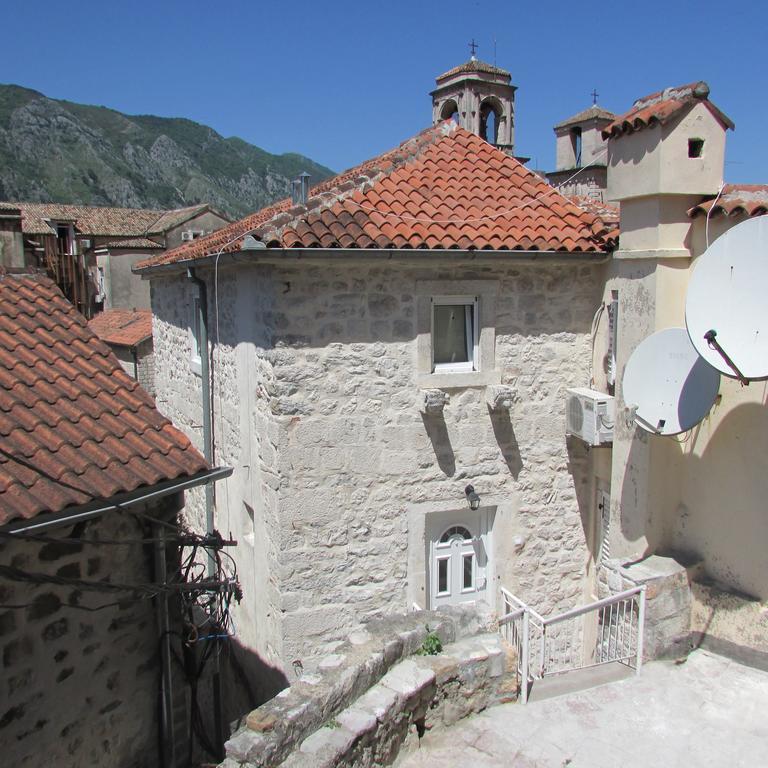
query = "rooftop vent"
x=300 y=189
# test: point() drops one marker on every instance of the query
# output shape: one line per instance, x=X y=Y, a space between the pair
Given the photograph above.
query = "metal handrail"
x=510 y=617
x=574 y=612
x=523 y=605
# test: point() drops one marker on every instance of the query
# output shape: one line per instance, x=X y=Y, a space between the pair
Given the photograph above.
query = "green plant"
x=333 y=723
x=431 y=645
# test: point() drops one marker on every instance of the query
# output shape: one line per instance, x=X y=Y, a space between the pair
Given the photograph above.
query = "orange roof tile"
x=443 y=189
x=662 y=106
x=74 y=426
x=747 y=199
x=122 y=327
x=608 y=212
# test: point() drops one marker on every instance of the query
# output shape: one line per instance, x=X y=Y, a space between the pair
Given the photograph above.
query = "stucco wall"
x=207 y=222
x=320 y=413
x=655 y=160
x=701 y=494
x=124 y=289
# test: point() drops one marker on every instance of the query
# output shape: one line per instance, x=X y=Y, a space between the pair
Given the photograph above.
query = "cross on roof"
x=473 y=47
x=595 y=94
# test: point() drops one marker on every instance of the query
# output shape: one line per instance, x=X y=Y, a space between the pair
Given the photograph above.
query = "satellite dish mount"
x=712 y=342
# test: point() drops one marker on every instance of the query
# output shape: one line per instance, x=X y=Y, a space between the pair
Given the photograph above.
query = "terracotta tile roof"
x=747 y=199
x=123 y=327
x=472 y=66
x=140 y=243
x=101 y=220
x=74 y=426
x=444 y=188
x=591 y=113
x=662 y=106
x=608 y=212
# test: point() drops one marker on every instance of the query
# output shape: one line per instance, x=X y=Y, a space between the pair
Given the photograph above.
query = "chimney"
x=663 y=156
x=304 y=178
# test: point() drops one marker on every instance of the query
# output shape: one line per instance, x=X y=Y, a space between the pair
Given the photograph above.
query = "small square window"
x=695 y=147
x=455 y=334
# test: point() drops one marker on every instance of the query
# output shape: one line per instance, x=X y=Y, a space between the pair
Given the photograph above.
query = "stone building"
x=86 y=462
x=581 y=166
x=128 y=333
x=407 y=332
x=89 y=250
x=481 y=99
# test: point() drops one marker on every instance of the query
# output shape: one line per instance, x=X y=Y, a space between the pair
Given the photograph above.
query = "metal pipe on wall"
x=205 y=376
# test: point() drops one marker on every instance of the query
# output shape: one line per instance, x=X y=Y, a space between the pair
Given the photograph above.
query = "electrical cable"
x=709 y=212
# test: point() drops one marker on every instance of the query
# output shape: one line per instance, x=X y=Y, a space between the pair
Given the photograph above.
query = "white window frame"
x=484 y=371
x=447 y=560
x=473 y=586
x=195 y=348
x=473 y=338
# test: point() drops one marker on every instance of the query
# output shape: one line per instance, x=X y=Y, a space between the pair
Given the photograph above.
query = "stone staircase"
x=368 y=701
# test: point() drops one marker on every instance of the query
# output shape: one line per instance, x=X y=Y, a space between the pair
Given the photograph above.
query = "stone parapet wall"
x=360 y=702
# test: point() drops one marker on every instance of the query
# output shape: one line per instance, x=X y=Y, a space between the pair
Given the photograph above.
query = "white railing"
x=608 y=630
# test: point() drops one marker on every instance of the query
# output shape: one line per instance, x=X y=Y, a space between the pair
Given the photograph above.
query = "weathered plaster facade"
x=318 y=402
x=701 y=495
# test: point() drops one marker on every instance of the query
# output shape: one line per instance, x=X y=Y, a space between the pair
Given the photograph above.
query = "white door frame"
x=453 y=550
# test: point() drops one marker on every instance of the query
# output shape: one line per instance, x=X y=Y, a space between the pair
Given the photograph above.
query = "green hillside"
x=59 y=151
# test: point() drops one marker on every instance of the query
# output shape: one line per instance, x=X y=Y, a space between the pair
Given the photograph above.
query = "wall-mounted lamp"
x=472 y=498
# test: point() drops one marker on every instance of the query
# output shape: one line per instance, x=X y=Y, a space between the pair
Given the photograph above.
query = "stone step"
x=563 y=683
x=417 y=694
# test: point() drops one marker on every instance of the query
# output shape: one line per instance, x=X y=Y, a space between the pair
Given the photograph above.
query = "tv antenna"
x=666 y=385
x=725 y=308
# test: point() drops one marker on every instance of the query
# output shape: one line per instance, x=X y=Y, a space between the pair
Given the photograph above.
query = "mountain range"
x=63 y=152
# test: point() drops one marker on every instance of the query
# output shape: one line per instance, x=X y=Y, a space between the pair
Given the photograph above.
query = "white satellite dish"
x=669 y=387
x=725 y=309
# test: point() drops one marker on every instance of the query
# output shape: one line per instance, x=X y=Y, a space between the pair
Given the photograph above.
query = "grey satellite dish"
x=669 y=387
x=725 y=309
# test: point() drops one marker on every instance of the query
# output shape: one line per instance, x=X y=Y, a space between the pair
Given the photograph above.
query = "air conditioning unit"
x=589 y=415
x=187 y=235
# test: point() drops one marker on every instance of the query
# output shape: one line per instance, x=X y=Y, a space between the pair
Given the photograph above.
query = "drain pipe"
x=205 y=376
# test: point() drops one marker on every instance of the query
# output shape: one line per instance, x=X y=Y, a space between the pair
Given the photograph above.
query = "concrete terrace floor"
x=708 y=711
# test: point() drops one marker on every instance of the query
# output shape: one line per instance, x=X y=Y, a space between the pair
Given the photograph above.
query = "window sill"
x=457 y=380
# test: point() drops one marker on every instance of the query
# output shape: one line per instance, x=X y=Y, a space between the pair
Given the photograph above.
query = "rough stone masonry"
x=318 y=404
x=79 y=687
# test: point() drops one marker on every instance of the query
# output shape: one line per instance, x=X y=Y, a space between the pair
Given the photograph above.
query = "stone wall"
x=320 y=412
x=79 y=687
x=144 y=372
x=376 y=694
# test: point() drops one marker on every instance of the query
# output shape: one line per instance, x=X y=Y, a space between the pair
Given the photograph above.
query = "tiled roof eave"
x=279 y=254
x=91 y=509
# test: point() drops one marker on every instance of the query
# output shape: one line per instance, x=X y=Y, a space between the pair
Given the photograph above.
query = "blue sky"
x=342 y=81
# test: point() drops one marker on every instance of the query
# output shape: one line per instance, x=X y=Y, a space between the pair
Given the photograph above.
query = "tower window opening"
x=576 y=141
x=489 y=123
x=450 y=111
x=695 y=147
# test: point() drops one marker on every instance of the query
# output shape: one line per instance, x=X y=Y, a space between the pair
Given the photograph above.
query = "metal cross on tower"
x=595 y=94
x=473 y=47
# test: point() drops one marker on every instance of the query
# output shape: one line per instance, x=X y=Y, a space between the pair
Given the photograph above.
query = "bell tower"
x=480 y=98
